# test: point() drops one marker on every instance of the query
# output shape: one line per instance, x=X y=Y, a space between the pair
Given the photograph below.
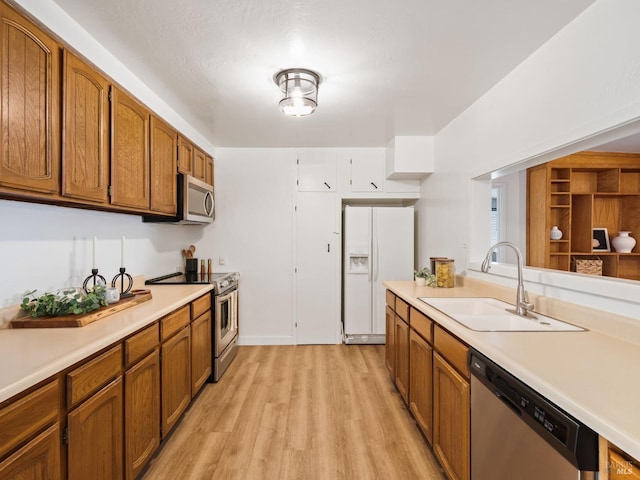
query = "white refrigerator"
x=378 y=246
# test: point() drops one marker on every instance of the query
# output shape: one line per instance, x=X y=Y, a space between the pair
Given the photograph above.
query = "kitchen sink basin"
x=491 y=315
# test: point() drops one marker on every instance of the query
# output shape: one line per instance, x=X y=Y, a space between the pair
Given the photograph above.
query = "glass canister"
x=432 y=260
x=445 y=272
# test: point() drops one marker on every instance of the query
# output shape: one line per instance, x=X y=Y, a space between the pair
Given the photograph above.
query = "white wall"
x=253 y=232
x=581 y=82
x=46 y=247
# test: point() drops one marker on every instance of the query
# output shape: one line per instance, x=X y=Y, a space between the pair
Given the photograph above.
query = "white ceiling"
x=390 y=68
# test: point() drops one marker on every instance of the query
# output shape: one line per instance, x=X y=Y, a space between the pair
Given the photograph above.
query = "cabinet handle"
x=328 y=186
x=328 y=247
x=374 y=185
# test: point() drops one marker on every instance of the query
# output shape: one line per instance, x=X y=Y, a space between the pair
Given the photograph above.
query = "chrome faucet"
x=522 y=301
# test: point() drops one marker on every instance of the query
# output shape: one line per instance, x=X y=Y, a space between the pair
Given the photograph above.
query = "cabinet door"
x=30 y=89
x=317 y=171
x=200 y=352
x=451 y=417
x=163 y=167
x=421 y=383
x=85 y=170
x=185 y=156
x=129 y=151
x=141 y=413
x=367 y=172
x=39 y=459
x=176 y=378
x=402 y=358
x=390 y=359
x=208 y=170
x=95 y=436
x=199 y=160
x=316 y=313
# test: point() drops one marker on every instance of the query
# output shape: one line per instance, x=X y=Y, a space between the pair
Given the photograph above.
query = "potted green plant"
x=421 y=276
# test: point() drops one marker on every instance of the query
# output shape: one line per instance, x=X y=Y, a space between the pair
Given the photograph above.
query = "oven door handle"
x=234 y=305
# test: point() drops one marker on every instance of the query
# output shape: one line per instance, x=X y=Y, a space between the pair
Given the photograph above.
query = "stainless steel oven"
x=224 y=306
x=225 y=329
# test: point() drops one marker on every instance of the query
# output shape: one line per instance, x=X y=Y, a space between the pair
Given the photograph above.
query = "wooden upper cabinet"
x=129 y=151
x=163 y=167
x=199 y=162
x=185 y=156
x=30 y=117
x=85 y=149
x=208 y=170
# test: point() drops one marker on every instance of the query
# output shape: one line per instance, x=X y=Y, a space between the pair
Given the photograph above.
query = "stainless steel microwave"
x=195 y=203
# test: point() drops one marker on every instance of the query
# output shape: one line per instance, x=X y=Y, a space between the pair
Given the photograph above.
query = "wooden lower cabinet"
x=39 y=459
x=141 y=413
x=421 y=383
x=95 y=435
x=176 y=378
x=451 y=419
x=401 y=343
x=619 y=464
x=389 y=351
x=200 y=351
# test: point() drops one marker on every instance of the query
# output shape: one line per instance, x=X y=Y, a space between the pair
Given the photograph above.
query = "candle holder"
x=96 y=279
x=121 y=278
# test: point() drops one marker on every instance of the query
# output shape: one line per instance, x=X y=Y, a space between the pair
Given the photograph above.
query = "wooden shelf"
x=583 y=191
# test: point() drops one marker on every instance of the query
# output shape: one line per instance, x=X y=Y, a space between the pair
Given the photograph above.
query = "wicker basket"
x=591 y=266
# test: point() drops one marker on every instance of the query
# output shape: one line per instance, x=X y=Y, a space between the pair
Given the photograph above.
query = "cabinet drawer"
x=422 y=324
x=402 y=309
x=140 y=344
x=622 y=467
x=22 y=419
x=93 y=375
x=200 y=305
x=391 y=299
x=175 y=321
x=452 y=349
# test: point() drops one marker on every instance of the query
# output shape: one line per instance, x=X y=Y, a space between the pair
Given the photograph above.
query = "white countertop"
x=30 y=355
x=589 y=374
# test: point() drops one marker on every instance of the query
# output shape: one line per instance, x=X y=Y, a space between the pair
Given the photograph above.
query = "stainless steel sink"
x=491 y=315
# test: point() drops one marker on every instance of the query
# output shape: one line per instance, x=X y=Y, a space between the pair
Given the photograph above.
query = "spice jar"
x=445 y=272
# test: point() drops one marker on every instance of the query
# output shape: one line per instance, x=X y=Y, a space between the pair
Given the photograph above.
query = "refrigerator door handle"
x=375 y=259
x=370 y=260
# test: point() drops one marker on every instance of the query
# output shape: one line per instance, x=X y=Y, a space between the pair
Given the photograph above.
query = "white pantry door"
x=316 y=269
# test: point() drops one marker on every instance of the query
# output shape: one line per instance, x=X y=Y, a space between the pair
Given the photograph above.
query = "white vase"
x=623 y=243
x=556 y=234
x=421 y=281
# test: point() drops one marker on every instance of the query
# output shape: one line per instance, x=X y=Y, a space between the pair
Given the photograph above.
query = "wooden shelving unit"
x=578 y=193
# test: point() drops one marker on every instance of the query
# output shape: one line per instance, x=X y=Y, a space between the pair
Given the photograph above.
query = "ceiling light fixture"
x=299 y=88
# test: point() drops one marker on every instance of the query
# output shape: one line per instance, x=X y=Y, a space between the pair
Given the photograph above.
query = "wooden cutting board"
x=23 y=320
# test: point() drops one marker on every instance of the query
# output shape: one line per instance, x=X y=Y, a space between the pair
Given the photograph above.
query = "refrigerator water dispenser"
x=358 y=261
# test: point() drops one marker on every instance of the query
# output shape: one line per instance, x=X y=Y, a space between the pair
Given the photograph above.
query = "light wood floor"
x=298 y=412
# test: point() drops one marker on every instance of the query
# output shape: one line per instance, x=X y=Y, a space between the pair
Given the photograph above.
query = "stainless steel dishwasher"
x=517 y=433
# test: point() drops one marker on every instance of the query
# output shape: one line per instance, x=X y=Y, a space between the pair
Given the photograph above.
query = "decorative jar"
x=623 y=243
x=556 y=234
